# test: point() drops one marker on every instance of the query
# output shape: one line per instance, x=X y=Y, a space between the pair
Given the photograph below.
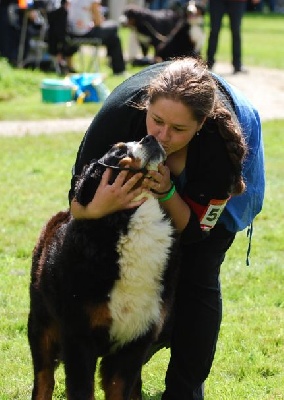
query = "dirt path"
x=263 y=87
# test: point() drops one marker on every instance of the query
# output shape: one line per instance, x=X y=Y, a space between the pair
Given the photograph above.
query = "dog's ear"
x=88 y=182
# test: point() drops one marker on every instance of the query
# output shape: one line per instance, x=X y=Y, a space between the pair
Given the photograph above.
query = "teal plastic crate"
x=56 y=91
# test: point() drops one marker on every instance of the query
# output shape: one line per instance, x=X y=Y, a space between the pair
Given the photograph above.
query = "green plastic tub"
x=56 y=91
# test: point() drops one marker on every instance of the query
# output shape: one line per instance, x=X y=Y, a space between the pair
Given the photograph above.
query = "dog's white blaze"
x=196 y=32
x=135 y=298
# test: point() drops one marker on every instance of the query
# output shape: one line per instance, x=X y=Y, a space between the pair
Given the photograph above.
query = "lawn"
x=35 y=175
x=262 y=36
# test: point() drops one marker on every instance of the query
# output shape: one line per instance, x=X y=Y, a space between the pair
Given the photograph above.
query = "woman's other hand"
x=158 y=181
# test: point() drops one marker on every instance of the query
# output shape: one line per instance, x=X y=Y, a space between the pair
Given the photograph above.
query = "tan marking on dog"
x=129 y=162
x=114 y=389
x=50 y=337
x=45 y=384
x=124 y=163
x=99 y=315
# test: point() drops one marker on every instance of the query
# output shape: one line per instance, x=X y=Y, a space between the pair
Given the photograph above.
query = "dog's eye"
x=117 y=154
x=121 y=152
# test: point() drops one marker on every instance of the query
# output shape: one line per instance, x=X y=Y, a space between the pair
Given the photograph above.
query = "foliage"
x=35 y=174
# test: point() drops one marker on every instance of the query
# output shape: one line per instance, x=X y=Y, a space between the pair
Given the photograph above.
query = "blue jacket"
x=241 y=210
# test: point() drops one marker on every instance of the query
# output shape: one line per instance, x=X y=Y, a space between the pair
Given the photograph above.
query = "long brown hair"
x=189 y=81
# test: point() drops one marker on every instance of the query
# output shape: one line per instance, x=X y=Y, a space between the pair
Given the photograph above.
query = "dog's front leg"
x=80 y=364
x=121 y=371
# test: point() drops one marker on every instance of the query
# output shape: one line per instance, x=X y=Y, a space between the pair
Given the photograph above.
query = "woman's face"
x=172 y=124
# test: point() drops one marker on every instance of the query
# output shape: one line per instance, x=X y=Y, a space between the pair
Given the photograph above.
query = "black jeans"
x=9 y=37
x=198 y=313
x=235 y=10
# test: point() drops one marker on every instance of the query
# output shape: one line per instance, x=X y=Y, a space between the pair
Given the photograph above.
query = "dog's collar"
x=143 y=170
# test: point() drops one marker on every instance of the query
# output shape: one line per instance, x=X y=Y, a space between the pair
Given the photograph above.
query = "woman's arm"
x=178 y=211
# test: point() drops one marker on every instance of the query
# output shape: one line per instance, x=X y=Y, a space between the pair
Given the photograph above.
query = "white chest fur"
x=196 y=32
x=135 y=299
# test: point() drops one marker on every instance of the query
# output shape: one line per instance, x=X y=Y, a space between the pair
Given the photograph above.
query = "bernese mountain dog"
x=103 y=288
x=174 y=32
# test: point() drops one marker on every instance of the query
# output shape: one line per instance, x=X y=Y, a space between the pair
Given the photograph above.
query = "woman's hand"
x=175 y=207
x=109 y=198
x=158 y=181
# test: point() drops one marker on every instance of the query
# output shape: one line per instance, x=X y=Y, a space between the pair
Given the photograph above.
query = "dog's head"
x=135 y=157
x=195 y=10
x=131 y=14
x=152 y=24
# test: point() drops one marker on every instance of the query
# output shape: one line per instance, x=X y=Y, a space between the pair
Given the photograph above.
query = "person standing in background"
x=9 y=36
x=235 y=10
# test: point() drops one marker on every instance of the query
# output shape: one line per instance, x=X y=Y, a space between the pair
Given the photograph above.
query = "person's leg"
x=108 y=33
x=60 y=51
x=68 y=53
x=9 y=37
x=271 y=4
x=4 y=31
x=216 y=13
x=236 y=10
x=198 y=312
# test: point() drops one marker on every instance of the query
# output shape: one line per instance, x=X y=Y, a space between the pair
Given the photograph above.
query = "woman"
x=212 y=137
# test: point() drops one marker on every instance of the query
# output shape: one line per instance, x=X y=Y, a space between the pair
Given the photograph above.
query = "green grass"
x=35 y=174
x=262 y=37
x=20 y=94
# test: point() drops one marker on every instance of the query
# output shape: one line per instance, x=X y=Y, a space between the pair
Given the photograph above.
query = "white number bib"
x=211 y=214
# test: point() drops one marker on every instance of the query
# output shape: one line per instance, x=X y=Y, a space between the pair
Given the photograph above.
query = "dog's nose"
x=148 y=139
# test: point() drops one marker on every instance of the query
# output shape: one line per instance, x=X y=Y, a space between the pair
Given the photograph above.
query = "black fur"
x=168 y=31
x=75 y=265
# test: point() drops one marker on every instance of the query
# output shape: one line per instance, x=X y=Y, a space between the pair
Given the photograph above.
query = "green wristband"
x=169 y=195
